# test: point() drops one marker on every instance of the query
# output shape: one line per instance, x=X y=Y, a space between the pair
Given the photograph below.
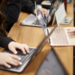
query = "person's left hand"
x=43 y=11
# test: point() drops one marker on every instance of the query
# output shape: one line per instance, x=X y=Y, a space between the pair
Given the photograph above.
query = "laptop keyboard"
x=38 y=23
x=59 y=36
x=24 y=57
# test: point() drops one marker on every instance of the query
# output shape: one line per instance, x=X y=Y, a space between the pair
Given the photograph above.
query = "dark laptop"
x=26 y=58
x=51 y=65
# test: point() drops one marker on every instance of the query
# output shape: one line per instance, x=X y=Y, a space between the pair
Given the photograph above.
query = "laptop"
x=51 y=65
x=26 y=58
x=41 y=20
x=32 y=20
x=60 y=36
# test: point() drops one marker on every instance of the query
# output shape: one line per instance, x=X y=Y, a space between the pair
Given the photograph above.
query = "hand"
x=43 y=11
x=14 y=45
x=6 y=59
x=71 y=30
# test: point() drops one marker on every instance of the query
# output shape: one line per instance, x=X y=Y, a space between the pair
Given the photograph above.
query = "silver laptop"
x=26 y=58
x=32 y=20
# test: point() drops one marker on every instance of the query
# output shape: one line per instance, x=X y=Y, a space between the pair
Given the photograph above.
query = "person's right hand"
x=14 y=45
x=7 y=60
x=71 y=30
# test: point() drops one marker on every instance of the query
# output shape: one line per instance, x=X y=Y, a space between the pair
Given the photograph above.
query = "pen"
x=48 y=34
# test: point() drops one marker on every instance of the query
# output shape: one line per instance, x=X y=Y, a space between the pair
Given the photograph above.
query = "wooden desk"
x=33 y=36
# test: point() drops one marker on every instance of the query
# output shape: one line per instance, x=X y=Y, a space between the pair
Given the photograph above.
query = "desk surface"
x=33 y=36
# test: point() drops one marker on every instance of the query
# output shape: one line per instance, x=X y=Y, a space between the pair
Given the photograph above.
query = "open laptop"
x=32 y=20
x=26 y=58
x=60 y=36
x=51 y=65
x=41 y=20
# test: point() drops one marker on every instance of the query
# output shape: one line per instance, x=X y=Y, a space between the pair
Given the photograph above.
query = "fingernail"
x=15 y=52
x=24 y=52
x=9 y=66
x=19 y=58
x=20 y=63
x=28 y=52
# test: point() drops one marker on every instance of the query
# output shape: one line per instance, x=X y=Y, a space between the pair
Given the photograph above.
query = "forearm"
x=4 y=41
x=12 y=11
x=28 y=6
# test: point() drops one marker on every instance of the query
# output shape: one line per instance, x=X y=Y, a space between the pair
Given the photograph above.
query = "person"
x=7 y=59
x=37 y=1
x=12 y=8
x=71 y=30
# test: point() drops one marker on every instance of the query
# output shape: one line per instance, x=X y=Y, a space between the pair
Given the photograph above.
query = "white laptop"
x=60 y=37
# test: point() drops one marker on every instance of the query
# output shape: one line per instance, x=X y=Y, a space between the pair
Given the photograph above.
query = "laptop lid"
x=40 y=18
x=42 y=44
x=54 y=6
x=42 y=22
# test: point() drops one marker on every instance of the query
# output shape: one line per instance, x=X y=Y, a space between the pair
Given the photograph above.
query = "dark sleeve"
x=4 y=41
x=37 y=1
x=12 y=12
x=27 y=6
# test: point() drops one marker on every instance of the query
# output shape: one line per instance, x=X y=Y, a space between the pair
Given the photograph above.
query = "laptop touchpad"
x=30 y=19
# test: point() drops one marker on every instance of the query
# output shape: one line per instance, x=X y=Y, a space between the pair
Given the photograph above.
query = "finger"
x=12 y=62
x=15 y=57
x=14 y=50
x=68 y=29
x=21 y=48
x=17 y=62
x=26 y=48
x=46 y=12
x=7 y=65
x=42 y=13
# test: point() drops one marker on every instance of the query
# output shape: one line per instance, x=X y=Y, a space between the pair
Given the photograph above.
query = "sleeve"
x=27 y=6
x=4 y=41
x=37 y=1
x=12 y=12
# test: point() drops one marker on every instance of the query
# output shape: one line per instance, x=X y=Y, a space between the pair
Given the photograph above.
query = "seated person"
x=37 y=1
x=7 y=59
x=12 y=8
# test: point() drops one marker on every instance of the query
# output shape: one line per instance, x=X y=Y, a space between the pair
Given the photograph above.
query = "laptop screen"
x=42 y=44
x=44 y=41
x=41 y=20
